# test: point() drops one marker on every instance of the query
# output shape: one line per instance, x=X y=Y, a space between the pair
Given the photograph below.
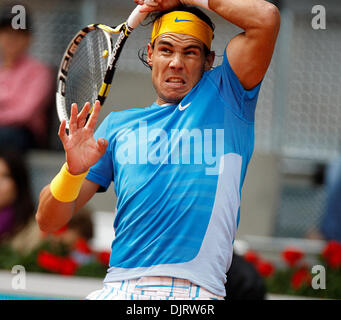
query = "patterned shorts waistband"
x=163 y=286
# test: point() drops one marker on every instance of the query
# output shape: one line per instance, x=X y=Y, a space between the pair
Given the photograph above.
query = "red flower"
x=68 y=267
x=48 y=261
x=292 y=255
x=265 y=268
x=300 y=277
x=82 y=246
x=252 y=257
x=331 y=247
x=53 y=263
x=104 y=257
x=335 y=260
x=332 y=254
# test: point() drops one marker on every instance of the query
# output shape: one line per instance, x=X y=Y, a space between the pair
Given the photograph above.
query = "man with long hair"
x=178 y=165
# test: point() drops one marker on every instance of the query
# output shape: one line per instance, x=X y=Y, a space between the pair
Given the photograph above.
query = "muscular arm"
x=250 y=52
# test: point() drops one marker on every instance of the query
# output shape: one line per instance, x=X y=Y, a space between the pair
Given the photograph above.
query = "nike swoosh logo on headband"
x=181 y=20
x=182 y=108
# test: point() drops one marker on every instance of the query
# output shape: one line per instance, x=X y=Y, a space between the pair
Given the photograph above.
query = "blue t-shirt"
x=178 y=171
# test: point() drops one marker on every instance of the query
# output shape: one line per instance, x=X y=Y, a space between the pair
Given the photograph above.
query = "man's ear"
x=209 y=60
x=150 y=51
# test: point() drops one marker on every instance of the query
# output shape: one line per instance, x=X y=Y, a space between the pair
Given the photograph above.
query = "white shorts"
x=152 y=288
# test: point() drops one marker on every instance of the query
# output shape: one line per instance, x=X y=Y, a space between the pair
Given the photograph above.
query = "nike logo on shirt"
x=182 y=108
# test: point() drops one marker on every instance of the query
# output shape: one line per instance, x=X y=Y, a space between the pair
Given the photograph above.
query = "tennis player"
x=178 y=166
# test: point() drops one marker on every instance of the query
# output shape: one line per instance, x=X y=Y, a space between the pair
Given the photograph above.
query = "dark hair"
x=6 y=17
x=142 y=54
x=82 y=222
x=23 y=205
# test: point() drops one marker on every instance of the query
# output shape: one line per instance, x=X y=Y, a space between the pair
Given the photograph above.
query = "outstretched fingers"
x=78 y=120
x=73 y=118
x=94 y=116
x=62 y=132
x=82 y=116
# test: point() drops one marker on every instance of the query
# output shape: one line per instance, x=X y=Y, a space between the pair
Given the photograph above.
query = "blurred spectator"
x=25 y=87
x=16 y=202
x=331 y=221
x=330 y=224
x=77 y=235
x=79 y=227
x=69 y=249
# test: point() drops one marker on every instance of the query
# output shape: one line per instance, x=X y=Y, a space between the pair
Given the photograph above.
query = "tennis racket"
x=89 y=63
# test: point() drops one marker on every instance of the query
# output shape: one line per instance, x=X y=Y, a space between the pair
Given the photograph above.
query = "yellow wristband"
x=65 y=186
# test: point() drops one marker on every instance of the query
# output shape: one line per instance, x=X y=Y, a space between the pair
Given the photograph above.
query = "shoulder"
x=224 y=76
x=223 y=67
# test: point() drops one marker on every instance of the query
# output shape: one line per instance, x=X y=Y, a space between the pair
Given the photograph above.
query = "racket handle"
x=136 y=17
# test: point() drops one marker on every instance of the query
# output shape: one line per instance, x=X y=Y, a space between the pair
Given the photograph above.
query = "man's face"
x=178 y=62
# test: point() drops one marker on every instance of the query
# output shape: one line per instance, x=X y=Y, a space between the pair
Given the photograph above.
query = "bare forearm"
x=246 y=14
x=53 y=214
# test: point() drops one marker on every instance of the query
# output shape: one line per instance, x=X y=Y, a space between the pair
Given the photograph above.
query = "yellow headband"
x=183 y=22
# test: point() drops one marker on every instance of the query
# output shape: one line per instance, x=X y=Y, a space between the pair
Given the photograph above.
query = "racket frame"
x=125 y=29
x=66 y=61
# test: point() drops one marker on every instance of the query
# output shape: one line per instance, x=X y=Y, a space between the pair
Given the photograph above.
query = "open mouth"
x=175 y=80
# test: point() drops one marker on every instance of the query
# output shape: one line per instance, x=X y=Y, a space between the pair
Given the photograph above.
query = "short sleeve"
x=102 y=172
x=232 y=92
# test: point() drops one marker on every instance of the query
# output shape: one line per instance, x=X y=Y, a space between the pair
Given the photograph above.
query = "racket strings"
x=87 y=69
